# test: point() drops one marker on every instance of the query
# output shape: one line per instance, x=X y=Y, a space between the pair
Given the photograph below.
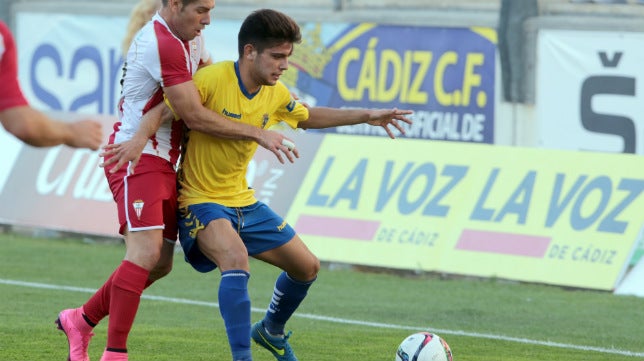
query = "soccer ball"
x=424 y=346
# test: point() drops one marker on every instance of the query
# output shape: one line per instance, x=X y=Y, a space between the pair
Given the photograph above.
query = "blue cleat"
x=278 y=346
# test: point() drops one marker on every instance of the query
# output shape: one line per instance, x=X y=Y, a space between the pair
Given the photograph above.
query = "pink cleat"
x=78 y=333
x=114 y=356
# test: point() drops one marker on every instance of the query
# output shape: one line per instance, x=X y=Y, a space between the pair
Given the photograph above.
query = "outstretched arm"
x=30 y=125
x=39 y=130
x=323 y=117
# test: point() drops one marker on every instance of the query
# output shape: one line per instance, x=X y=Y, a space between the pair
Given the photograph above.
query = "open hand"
x=121 y=153
x=386 y=117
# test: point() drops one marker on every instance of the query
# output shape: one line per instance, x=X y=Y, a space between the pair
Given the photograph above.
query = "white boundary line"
x=350 y=322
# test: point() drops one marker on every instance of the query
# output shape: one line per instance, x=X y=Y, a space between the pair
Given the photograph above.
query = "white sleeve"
x=205 y=54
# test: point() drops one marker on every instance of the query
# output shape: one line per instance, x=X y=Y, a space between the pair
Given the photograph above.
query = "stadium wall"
x=547 y=183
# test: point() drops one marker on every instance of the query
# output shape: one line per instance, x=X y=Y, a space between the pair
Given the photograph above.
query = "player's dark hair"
x=266 y=28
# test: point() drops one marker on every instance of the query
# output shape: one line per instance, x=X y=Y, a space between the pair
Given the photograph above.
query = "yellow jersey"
x=213 y=170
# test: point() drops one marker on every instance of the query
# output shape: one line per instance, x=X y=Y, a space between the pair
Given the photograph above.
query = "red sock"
x=98 y=306
x=128 y=283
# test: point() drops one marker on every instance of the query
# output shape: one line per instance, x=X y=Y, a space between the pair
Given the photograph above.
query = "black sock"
x=88 y=321
x=121 y=350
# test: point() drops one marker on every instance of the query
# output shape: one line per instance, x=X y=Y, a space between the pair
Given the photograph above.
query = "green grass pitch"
x=348 y=315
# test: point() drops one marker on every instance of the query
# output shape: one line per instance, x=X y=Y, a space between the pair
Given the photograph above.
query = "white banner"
x=10 y=147
x=74 y=62
x=590 y=90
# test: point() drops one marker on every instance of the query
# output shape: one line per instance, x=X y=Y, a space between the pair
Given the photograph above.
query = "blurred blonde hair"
x=140 y=15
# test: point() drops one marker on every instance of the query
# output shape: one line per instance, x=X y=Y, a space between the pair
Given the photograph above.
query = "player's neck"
x=166 y=15
x=250 y=84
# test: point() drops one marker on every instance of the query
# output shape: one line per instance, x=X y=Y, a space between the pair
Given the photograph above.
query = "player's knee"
x=152 y=256
x=160 y=271
x=235 y=258
x=315 y=268
x=309 y=271
x=147 y=259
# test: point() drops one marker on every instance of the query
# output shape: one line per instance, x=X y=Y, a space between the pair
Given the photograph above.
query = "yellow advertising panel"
x=557 y=217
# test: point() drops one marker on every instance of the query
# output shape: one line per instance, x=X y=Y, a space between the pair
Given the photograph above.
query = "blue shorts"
x=259 y=227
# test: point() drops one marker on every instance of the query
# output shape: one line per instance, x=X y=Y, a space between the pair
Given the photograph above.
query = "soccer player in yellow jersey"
x=221 y=222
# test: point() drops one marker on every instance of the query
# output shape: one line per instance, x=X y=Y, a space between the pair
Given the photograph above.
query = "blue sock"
x=234 y=306
x=287 y=296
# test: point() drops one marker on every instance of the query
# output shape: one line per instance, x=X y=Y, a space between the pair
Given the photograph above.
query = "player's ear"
x=249 y=52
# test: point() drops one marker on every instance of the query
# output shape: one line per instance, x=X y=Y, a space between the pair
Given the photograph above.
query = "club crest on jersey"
x=264 y=120
x=138 y=207
x=291 y=106
x=193 y=52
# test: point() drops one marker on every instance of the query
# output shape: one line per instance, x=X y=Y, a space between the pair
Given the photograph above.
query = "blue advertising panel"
x=446 y=75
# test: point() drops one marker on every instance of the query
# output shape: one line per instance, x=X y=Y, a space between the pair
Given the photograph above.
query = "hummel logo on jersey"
x=138 y=207
x=231 y=114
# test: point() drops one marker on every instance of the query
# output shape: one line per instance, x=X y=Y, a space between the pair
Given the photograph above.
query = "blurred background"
x=523 y=161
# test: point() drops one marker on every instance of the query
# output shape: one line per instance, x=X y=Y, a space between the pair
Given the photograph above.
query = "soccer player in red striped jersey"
x=161 y=60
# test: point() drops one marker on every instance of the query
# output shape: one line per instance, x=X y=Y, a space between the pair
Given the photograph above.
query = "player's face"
x=188 y=21
x=272 y=62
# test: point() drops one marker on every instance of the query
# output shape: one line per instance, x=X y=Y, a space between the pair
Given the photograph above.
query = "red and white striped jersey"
x=156 y=59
